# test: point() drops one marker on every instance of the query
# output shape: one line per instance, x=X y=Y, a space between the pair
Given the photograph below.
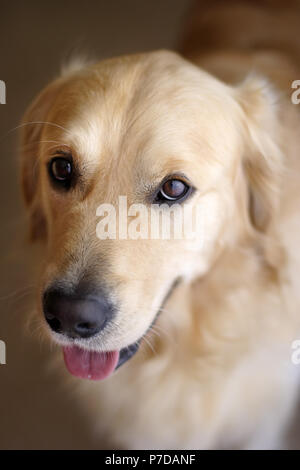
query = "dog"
x=192 y=336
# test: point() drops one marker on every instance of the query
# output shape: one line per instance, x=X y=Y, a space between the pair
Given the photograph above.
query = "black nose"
x=77 y=316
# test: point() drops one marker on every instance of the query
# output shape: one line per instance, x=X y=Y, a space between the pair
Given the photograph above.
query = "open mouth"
x=95 y=365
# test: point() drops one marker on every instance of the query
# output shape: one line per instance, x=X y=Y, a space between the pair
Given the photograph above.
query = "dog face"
x=158 y=130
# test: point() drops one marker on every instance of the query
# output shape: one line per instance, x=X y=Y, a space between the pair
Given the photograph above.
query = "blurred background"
x=36 y=37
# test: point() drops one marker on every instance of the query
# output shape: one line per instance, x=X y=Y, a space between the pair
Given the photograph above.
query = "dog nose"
x=75 y=316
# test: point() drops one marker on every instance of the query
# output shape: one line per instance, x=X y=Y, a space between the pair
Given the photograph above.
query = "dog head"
x=161 y=132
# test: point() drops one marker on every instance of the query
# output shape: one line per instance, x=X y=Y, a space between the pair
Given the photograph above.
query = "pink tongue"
x=90 y=364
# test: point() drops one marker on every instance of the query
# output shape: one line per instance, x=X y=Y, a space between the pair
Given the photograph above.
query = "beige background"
x=35 y=38
x=36 y=411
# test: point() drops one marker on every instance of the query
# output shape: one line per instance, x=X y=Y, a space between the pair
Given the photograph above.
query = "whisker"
x=34 y=123
x=158 y=331
x=149 y=344
x=22 y=291
x=29 y=144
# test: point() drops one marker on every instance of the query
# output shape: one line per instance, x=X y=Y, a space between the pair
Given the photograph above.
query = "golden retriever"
x=192 y=336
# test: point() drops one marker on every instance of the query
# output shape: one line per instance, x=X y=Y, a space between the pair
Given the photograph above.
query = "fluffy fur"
x=217 y=372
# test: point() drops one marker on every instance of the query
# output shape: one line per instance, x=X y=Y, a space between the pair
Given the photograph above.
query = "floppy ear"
x=263 y=159
x=31 y=131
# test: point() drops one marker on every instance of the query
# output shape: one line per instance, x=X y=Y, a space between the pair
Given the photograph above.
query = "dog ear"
x=263 y=159
x=31 y=132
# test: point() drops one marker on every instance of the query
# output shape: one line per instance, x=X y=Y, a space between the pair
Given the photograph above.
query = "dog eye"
x=61 y=171
x=172 y=190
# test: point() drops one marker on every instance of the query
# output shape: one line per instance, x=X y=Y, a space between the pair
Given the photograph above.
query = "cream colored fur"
x=217 y=372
